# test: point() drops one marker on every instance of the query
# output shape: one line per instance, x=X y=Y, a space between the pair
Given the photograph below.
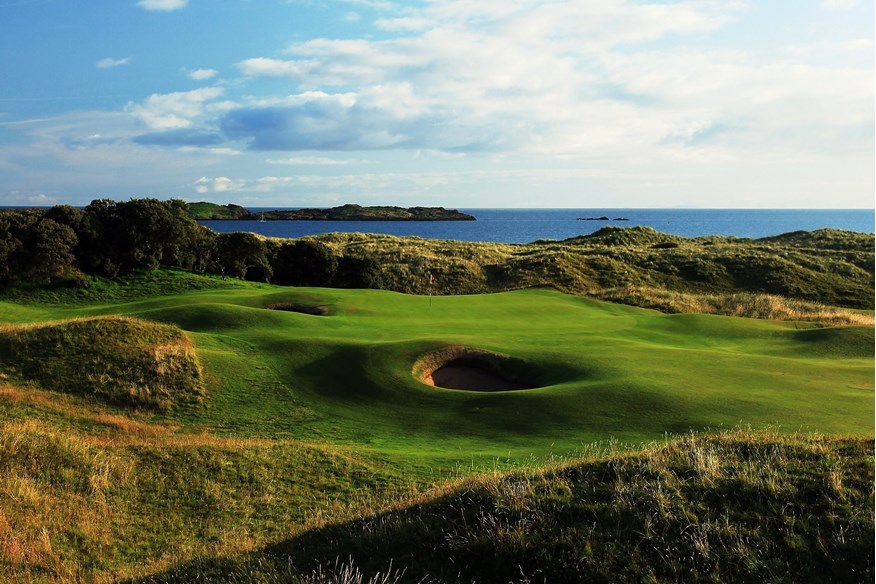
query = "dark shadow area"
x=319 y=310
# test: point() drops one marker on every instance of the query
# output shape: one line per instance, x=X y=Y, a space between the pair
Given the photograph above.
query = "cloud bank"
x=672 y=99
x=554 y=78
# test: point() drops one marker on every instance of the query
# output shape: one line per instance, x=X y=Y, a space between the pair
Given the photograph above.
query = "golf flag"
x=431 y=278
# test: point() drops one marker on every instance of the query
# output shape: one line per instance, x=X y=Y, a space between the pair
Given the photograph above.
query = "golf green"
x=339 y=366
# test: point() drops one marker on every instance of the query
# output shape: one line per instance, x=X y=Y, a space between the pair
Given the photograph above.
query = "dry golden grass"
x=762 y=306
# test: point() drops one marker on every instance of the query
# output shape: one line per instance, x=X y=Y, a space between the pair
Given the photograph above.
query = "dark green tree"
x=10 y=246
x=364 y=272
x=35 y=249
x=101 y=239
x=304 y=263
x=50 y=252
x=139 y=234
x=239 y=253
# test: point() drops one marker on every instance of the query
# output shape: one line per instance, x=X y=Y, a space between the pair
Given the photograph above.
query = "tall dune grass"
x=764 y=306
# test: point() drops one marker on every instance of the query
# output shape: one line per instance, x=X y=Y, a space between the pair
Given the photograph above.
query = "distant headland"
x=205 y=211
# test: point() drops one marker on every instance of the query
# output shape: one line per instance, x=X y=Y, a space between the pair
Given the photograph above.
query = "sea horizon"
x=528 y=224
x=525 y=225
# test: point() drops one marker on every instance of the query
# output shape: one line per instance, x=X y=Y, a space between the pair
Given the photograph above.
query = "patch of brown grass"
x=748 y=305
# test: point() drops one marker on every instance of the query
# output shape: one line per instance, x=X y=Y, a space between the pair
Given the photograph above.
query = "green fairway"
x=601 y=371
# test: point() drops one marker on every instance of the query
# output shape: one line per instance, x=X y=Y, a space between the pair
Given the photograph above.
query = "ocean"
x=527 y=225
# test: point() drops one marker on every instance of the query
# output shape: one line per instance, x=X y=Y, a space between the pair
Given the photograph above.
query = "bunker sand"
x=467 y=369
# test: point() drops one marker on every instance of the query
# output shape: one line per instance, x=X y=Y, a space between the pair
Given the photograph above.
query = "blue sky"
x=512 y=103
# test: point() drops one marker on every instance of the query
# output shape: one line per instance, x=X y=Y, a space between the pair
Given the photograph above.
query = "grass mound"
x=825 y=239
x=118 y=359
x=828 y=267
x=83 y=507
x=735 y=507
x=629 y=236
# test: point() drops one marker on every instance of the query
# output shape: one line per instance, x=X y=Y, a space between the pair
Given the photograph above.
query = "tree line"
x=111 y=238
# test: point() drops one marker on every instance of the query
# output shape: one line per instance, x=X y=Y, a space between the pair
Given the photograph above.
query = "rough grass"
x=125 y=499
x=744 y=304
x=824 y=267
x=816 y=275
x=118 y=359
x=310 y=458
x=102 y=505
x=737 y=506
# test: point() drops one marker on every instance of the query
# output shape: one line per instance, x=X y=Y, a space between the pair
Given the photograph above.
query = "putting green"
x=344 y=373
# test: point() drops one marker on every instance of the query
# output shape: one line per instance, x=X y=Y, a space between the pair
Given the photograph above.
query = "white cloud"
x=170 y=111
x=162 y=5
x=37 y=200
x=359 y=183
x=840 y=4
x=314 y=161
x=222 y=184
x=402 y=23
x=109 y=62
x=202 y=74
x=203 y=150
x=561 y=78
x=267 y=67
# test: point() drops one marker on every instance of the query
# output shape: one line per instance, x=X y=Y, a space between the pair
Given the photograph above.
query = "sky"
x=462 y=104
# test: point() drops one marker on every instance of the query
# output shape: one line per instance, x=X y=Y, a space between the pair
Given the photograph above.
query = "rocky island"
x=204 y=211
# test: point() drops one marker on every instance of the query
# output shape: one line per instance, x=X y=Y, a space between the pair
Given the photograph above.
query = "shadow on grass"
x=731 y=508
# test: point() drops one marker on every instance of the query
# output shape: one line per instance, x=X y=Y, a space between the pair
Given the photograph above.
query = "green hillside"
x=309 y=409
x=203 y=211
x=737 y=507
x=119 y=359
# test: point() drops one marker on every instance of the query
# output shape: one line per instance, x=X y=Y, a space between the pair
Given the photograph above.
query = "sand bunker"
x=467 y=368
x=319 y=310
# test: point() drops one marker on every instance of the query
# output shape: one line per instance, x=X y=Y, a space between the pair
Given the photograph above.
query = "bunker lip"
x=317 y=310
x=469 y=369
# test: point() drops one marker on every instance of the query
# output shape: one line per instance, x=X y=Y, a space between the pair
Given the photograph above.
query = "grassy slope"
x=204 y=210
x=826 y=266
x=291 y=396
x=736 y=507
x=118 y=359
x=91 y=494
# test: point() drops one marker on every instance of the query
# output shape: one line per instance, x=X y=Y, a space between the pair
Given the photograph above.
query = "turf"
x=307 y=420
x=118 y=359
x=602 y=370
x=734 y=507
